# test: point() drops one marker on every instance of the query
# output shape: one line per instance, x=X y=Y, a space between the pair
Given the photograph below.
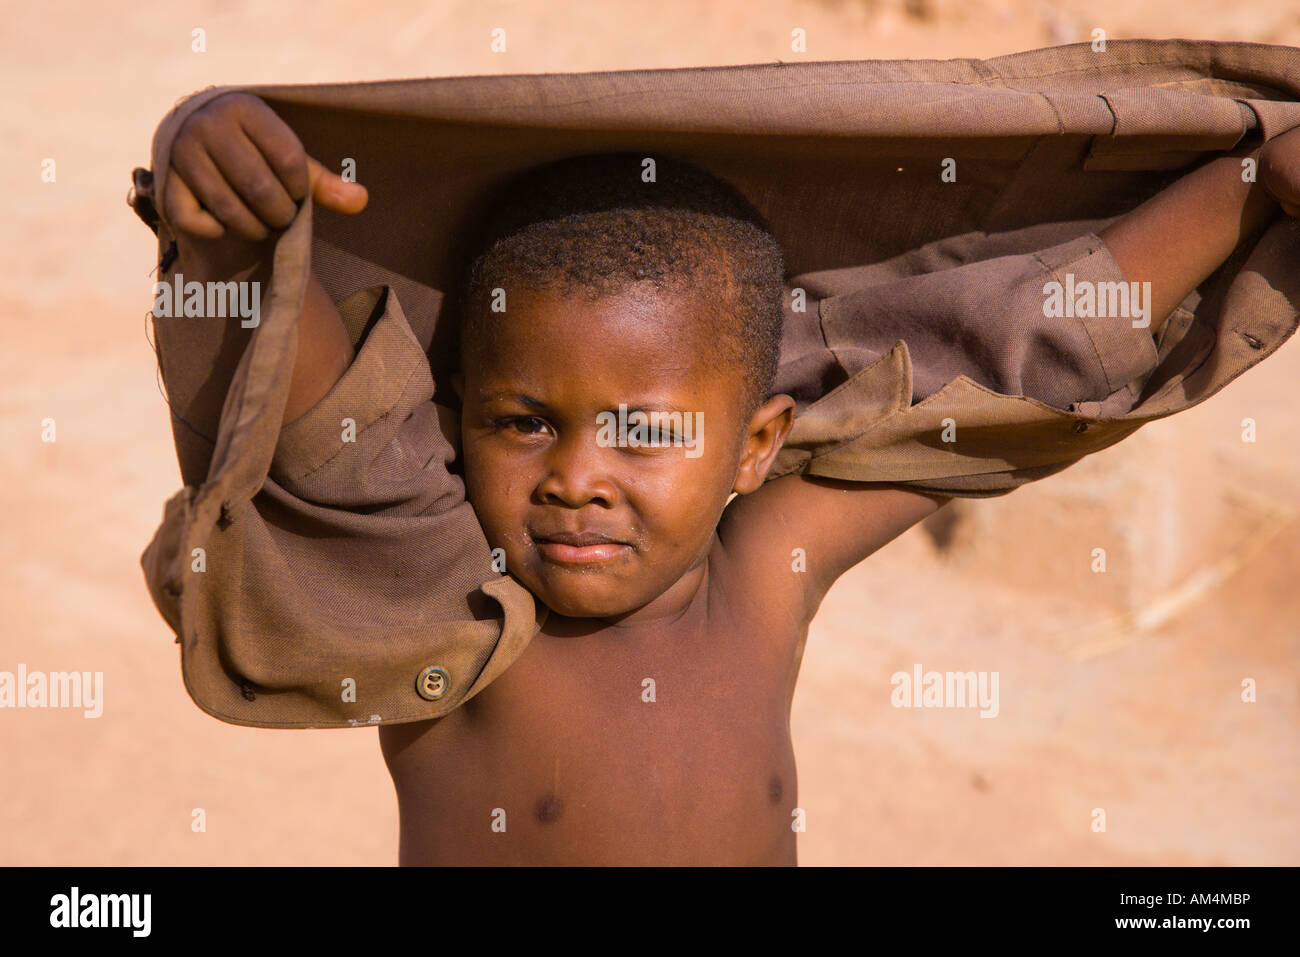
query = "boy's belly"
x=563 y=760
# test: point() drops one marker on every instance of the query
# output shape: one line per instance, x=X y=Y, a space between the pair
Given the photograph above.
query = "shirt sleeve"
x=356 y=564
x=987 y=320
x=376 y=441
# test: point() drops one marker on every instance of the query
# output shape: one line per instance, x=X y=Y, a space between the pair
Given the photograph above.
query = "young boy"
x=648 y=721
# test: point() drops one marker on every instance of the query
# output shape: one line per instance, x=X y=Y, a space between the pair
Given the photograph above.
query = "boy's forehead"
x=631 y=344
x=641 y=305
x=640 y=328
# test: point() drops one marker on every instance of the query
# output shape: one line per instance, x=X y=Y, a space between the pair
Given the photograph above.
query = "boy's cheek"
x=491 y=480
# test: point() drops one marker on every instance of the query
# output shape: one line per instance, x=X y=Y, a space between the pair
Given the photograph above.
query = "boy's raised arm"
x=1181 y=235
x=1175 y=240
x=287 y=527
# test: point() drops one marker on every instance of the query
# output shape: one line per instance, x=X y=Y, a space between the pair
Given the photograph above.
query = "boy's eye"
x=654 y=435
x=525 y=424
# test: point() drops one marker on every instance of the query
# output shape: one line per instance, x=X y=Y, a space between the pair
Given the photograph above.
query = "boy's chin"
x=581 y=604
x=586 y=608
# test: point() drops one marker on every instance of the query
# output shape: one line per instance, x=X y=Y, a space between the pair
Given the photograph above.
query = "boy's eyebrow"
x=520 y=397
x=663 y=408
x=651 y=405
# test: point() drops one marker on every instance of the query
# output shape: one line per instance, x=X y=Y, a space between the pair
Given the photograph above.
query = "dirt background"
x=1118 y=691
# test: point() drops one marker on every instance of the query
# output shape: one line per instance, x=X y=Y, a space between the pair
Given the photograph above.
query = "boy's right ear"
x=458 y=383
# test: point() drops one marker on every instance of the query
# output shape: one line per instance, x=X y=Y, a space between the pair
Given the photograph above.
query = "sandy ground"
x=1097 y=711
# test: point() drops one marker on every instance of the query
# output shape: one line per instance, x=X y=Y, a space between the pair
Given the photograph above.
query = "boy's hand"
x=239 y=172
x=1279 y=170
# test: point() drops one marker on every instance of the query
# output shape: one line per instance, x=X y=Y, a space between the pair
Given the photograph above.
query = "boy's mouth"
x=579 y=548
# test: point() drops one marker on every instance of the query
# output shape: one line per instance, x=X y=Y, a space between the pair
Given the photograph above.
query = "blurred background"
x=1119 y=691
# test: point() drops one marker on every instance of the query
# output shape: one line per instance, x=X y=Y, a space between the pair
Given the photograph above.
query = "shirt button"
x=432 y=683
x=1079 y=427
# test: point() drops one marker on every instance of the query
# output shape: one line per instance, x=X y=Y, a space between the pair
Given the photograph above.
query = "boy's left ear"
x=765 y=434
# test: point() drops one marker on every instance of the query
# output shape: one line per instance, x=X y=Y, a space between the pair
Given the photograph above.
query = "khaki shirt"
x=348 y=583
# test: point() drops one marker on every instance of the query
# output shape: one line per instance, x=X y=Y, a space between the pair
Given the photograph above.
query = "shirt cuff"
x=388 y=363
x=1125 y=352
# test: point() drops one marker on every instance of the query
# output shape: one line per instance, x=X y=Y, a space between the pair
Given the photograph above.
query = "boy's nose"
x=576 y=474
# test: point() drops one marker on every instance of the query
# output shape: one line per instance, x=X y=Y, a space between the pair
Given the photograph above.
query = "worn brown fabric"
x=329 y=560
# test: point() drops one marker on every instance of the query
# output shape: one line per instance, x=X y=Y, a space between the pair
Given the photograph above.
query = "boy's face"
x=593 y=527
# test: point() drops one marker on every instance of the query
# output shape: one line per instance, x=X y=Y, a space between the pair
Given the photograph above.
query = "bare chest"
x=673 y=747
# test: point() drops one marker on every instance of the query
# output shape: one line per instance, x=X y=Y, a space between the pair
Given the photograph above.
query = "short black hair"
x=593 y=224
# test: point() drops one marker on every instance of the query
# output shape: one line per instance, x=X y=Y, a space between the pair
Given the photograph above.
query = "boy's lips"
x=579 y=548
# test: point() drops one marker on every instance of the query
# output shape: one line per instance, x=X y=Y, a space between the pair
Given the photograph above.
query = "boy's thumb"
x=333 y=191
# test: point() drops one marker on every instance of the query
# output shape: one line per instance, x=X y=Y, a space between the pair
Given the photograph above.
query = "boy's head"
x=620 y=332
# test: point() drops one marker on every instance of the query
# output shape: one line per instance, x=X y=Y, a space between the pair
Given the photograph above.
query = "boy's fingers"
x=247 y=173
x=210 y=188
x=333 y=191
x=280 y=148
x=183 y=213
